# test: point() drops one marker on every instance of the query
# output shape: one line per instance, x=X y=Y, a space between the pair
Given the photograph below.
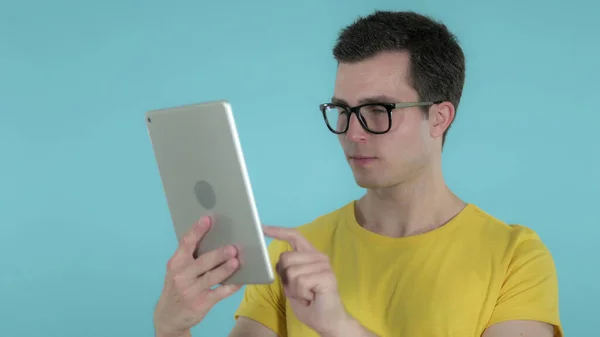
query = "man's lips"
x=361 y=160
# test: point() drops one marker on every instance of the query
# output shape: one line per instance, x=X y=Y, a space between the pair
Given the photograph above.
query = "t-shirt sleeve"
x=530 y=289
x=266 y=303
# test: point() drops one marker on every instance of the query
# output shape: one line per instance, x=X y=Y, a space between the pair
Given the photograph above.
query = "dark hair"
x=437 y=62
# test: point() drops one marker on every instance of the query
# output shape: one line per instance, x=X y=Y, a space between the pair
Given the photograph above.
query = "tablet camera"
x=205 y=194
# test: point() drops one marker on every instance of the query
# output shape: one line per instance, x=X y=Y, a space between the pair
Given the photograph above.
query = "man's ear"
x=440 y=117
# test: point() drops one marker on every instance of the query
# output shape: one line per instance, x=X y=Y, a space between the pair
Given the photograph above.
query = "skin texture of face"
x=412 y=146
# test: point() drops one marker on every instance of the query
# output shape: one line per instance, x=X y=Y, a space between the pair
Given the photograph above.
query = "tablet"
x=203 y=172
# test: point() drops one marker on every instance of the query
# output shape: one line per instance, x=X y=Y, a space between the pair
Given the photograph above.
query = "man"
x=410 y=258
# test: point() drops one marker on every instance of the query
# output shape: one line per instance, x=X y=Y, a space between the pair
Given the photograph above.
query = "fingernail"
x=203 y=222
x=228 y=252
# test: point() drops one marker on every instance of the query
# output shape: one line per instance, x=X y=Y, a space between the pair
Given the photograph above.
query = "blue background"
x=85 y=230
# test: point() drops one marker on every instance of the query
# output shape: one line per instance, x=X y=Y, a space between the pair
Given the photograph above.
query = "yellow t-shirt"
x=456 y=280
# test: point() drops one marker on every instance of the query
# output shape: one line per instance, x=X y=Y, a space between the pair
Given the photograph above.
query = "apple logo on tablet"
x=205 y=194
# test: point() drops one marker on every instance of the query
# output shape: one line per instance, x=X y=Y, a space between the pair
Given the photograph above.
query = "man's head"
x=395 y=57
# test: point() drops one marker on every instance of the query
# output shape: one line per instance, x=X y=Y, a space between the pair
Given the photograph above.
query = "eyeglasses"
x=375 y=118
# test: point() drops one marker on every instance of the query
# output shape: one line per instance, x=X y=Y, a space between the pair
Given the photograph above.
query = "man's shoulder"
x=522 y=267
x=509 y=237
x=492 y=224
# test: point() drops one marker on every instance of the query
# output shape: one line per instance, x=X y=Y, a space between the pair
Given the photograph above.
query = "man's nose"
x=356 y=132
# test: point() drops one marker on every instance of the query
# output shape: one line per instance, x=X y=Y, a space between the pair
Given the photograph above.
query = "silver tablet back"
x=203 y=171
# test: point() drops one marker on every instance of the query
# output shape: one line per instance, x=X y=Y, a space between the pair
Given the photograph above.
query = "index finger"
x=189 y=243
x=296 y=240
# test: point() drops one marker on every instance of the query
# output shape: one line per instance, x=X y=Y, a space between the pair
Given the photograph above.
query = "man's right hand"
x=187 y=295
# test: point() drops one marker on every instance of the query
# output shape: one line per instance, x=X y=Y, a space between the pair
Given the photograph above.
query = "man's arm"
x=519 y=328
x=514 y=328
x=245 y=327
x=262 y=311
x=527 y=303
x=353 y=328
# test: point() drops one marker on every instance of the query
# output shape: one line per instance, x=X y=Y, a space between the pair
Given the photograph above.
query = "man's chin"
x=366 y=182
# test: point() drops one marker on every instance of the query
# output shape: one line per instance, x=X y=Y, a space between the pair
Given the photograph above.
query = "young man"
x=410 y=258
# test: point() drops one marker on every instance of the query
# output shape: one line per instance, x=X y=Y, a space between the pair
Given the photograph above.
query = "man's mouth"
x=361 y=160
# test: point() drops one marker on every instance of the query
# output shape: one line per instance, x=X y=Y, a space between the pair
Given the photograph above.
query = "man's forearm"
x=185 y=334
x=352 y=328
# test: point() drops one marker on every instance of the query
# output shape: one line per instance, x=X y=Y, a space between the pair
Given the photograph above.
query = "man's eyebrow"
x=339 y=101
x=367 y=100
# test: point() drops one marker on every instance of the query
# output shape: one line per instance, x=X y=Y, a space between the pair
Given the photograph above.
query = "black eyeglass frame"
x=389 y=107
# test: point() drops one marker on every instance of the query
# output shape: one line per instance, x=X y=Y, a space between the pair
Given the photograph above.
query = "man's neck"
x=410 y=208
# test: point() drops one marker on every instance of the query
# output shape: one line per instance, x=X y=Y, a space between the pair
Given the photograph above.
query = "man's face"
x=384 y=160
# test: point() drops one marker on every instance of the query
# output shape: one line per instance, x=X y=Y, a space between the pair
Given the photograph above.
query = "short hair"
x=437 y=62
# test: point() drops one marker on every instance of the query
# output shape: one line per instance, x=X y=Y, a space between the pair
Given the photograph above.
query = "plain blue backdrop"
x=85 y=229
